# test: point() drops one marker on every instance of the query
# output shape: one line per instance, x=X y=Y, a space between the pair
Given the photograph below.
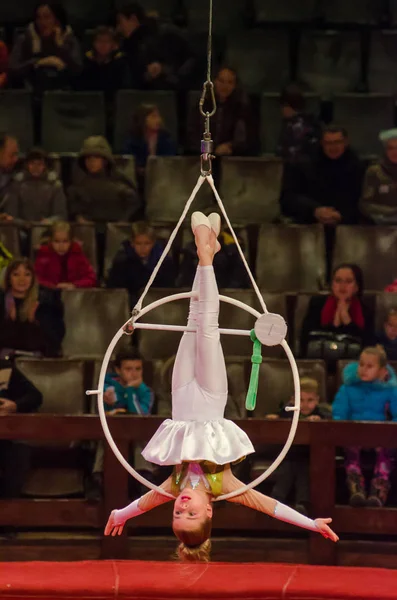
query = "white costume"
x=198 y=430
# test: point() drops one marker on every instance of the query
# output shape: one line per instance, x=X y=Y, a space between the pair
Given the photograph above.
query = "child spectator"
x=3 y=64
x=301 y=132
x=36 y=193
x=229 y=269
x=101 y=192
x=105 y=67
x=47 y=55
x=62 y=263
x=369 y=389
x=135 y=261
x=149 y=137
x=293 y=473
x=388 y=336
x=29 y=322
x=17 y=395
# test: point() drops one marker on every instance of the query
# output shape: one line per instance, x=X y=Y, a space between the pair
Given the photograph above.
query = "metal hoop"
x=108 y=435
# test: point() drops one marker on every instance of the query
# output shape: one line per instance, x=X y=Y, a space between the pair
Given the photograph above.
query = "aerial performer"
x=198 y=441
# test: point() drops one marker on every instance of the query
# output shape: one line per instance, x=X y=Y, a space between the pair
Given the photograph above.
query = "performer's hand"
x=322 y=525
x=272 y=417
x=111 y=528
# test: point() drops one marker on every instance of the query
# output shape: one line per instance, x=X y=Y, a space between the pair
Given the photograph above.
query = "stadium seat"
x=90 y=12
x=291 y=258
x=382 y=66
x=16 y=116
x=329 y=61
x=372 y=248
x=68 y=118
x=250 y=189
x=62 y=384
x=116 y=233
x=169 y=183
x=227 y=16
x=355 y=12
x=127 y=102
x=276 y=383
x=284 y=11
x=364 y=116
x=260 y=57
x=300 y=310
x=271 y=119
x=165 y=9
x=383 y=303
x=9 y=236
x=84 y=234
x=393 y=12
x=22 y=12
x=92 y=318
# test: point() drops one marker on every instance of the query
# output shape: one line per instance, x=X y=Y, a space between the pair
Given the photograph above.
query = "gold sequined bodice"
x=212 y=473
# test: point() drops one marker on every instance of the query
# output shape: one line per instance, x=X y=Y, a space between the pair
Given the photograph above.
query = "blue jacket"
x=137 y=401
x=139 y=148
x=359 y=400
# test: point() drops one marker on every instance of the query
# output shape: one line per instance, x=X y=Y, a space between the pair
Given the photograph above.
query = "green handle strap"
x=256 y=359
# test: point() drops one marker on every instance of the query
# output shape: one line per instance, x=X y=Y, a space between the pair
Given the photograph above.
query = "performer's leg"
x=184 y=366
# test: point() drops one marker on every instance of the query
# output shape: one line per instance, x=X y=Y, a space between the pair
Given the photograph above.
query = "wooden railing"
x=322 y=438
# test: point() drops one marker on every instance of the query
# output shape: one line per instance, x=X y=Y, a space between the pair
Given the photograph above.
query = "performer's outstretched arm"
x=273 y=508
x=143 y=504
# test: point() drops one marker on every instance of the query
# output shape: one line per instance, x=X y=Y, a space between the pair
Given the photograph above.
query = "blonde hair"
x=377 y=351
x=195 y=545
x=32 y=295
x=143 y=228
x=309 y=385
x=62 y=226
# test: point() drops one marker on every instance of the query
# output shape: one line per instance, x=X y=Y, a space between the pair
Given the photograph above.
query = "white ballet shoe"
x=199 y=218
x=215 y=221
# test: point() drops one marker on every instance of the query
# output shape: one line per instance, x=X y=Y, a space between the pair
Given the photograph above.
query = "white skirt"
x=219 y=441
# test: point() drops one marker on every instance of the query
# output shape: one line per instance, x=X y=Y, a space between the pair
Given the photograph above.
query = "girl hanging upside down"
x=198 y=440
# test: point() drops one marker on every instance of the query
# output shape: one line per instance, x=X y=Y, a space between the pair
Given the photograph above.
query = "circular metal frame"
x=99 y=392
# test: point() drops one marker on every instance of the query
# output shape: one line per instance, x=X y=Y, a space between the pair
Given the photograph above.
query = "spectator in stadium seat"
x=61 y=263
x=135 y=261
x=17 y=395
x=342 y=312
x=149 y=137
x=379 y=198
x=3 y=65
x=326 y=188
x=101 y=192
x=8 y=159
x=232 y=126
x=387 y=336
x=31 y=321
x=105 y=68
x=301 y=131
x=47 y=55
x=36 y=193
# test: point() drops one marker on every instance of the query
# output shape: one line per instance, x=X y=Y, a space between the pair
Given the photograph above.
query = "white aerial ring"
x=99 y=392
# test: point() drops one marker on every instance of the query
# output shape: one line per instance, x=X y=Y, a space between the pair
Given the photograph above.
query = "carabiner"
x=208 y=86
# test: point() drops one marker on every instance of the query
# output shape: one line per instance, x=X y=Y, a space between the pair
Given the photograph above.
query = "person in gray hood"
x=36 y=193
x=101 y=192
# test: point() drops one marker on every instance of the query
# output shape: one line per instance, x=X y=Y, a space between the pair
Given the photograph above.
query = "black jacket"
x=311 y=183
x=16 y=387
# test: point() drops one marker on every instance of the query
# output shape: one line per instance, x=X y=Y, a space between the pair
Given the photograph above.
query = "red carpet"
x=139 y=580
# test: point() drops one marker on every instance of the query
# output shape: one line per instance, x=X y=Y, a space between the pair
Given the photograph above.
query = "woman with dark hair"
x=149 y=136
x=30 y=322
x=232 y=126
x=47 y=55
x=337 y=325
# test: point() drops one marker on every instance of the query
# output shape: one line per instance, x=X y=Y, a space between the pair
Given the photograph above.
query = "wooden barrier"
x=322 y=438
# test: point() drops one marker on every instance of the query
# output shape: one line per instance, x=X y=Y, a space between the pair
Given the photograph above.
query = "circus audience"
x=17 y=395
x=36 y=193
x=31 y=320
x=326 y=188
x=105 y=68
x=61 y=263
x=47 y=54
x=3 y=65
x=135 y=261
x=301 y=131
x=149 y=137
x=338 y=324
x=368 y=392
x=9 y=150
x=379 y=197
x=387 y=336
x=233 y=125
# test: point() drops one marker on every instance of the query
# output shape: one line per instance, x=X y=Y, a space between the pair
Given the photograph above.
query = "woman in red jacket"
x=62 y=263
